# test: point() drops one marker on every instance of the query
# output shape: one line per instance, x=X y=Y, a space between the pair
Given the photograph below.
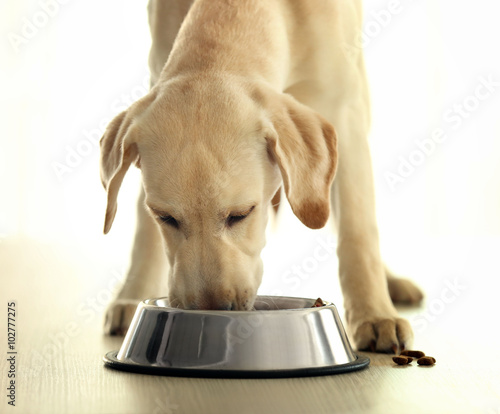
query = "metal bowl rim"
x=328 y=305
x=111 y=360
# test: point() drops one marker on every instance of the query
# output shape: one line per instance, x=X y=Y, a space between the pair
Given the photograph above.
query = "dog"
x=249 y=98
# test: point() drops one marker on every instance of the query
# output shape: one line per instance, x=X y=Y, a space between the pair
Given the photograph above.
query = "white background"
x=64 y=75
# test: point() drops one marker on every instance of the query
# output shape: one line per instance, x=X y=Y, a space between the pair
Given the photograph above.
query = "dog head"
x=213 y=153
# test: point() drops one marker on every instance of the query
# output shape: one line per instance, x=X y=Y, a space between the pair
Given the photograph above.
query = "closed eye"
x=169 y=220
x=235 y=218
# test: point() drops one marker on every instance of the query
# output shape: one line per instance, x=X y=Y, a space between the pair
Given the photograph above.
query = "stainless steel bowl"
x=283 y=337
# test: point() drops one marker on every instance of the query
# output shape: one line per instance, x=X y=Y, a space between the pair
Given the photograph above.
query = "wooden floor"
x=59 y=369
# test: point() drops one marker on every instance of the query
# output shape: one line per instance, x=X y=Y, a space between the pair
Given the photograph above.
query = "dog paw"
x=119 y=316
x=404 y=291
x=382 y=334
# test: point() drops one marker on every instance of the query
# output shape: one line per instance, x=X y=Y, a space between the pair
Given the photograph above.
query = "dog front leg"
x=372 y=320
x=146 y=277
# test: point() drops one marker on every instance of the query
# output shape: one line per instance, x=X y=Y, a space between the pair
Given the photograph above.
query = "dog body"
x=245 y=97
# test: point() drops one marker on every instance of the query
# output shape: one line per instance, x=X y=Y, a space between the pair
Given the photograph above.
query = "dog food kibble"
x=414 y=354
x=426 y=360
x=405 y=357
x=402 y=360
x=319 y=302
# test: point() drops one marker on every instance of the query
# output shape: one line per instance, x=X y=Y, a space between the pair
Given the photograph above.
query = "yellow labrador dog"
x=249 y=96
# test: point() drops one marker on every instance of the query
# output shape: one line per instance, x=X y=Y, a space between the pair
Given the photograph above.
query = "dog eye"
x=170 y=221
x=233 y=219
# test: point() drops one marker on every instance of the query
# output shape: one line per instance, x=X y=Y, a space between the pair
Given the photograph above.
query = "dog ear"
x=304 y=145
x=118 y=151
